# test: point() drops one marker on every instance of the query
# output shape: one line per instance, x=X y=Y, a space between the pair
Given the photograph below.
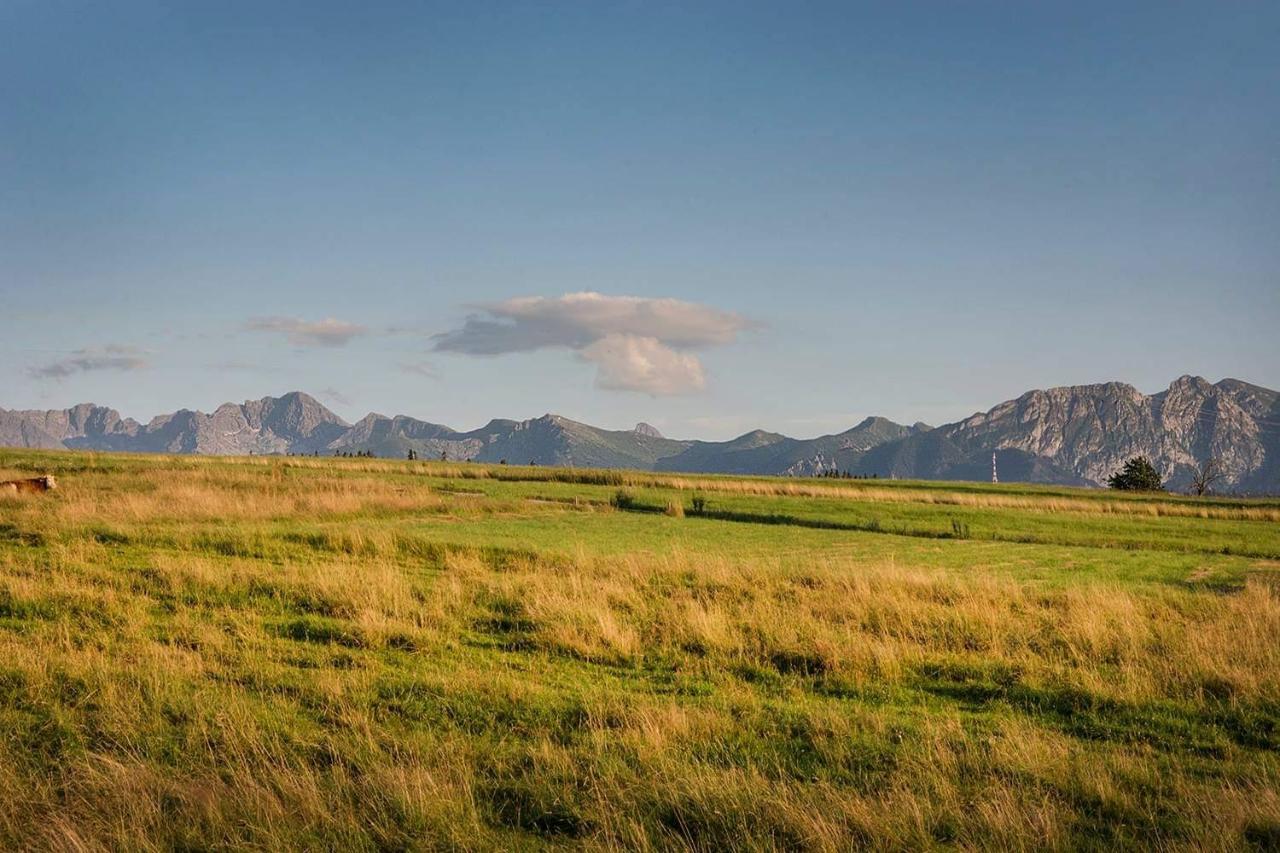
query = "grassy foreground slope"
x=361 y=654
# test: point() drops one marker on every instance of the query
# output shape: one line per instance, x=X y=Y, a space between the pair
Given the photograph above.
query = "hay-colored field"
x=301 y=653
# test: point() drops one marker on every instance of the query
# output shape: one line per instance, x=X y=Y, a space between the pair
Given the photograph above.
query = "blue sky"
x=913 y=210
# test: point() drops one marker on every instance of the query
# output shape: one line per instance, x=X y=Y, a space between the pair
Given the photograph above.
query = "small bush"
x=698 y=505
x=959 y=529
x=675 y=509
x=622 y=499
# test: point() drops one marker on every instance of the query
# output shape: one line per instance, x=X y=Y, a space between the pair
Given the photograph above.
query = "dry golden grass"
x=881 y=626
x=275 y=655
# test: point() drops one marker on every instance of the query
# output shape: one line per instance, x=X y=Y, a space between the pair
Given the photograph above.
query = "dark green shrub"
x=1137 y=475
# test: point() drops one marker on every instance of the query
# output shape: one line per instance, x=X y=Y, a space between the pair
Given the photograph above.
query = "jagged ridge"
x=1070 y=435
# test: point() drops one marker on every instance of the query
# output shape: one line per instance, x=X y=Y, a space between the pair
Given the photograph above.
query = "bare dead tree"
x=1205 y=475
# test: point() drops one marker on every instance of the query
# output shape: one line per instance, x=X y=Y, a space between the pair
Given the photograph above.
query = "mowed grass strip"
x=1138 y=531
x=253 y=653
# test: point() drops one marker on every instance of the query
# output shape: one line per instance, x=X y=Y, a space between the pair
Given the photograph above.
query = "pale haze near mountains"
x=1071 y=436
x=900 y=210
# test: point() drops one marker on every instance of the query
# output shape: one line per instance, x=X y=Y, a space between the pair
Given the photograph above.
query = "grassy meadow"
x=300 y=653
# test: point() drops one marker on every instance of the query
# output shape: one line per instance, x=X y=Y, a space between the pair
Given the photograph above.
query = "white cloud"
x=638 y=344
x=634 y=363
x=420 y=368
x=111 y=357
x=303 y=333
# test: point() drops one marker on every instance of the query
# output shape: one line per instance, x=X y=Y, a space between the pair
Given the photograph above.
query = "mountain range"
x=1076 y=435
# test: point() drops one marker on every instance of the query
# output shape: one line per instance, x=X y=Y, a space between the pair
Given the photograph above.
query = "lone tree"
x=1137 y=475
x=1204 y=476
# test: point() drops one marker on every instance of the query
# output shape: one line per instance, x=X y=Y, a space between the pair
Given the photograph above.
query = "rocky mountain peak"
x=295 y=412
x=1189 y=382
x=1091 y=429
x=1071 y=434
x=1257 y=401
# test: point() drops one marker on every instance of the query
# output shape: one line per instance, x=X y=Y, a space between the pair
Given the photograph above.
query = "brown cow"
x=35 y=484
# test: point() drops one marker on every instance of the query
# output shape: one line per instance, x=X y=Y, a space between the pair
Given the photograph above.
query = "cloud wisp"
x=637 y=344
x=309 y=333
x=111 y=357
x=424 y=369
x=335 y=396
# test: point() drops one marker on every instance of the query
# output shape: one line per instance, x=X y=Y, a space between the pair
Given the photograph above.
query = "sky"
x=710 y=217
